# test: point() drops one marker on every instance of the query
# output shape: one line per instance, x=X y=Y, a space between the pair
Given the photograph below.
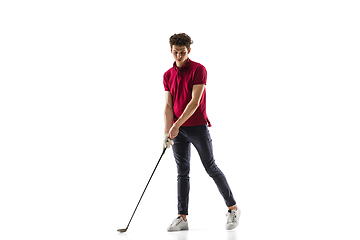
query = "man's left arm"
x=191 y=107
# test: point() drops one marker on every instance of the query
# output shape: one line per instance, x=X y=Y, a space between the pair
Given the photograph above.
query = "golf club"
x=124 y=230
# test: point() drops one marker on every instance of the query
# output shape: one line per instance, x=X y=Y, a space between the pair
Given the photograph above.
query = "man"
x=186 y=123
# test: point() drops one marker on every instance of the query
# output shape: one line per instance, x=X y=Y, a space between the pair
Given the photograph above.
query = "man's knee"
x=183 y=171
x=213 y=170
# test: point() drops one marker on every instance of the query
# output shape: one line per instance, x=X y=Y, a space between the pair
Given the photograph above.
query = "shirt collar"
x=187 y=64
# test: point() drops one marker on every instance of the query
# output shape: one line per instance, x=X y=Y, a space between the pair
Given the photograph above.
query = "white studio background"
x=81 y=113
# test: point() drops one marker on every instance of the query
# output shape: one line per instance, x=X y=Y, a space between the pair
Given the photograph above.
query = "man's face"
x=180 y=54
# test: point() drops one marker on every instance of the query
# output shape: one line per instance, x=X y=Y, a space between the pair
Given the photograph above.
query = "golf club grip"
x=146 y=187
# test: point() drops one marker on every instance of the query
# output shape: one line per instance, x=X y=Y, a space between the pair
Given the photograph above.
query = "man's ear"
x=189 y=50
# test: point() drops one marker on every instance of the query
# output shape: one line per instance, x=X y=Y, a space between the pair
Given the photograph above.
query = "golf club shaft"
x=146 y=187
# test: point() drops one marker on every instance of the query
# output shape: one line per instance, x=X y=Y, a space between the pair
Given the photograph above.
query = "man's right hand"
x=167 y=141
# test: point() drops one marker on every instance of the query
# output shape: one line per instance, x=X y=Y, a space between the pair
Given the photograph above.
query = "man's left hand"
x=173 y=132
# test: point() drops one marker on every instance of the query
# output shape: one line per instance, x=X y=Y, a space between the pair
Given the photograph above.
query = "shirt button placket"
x=179 y=76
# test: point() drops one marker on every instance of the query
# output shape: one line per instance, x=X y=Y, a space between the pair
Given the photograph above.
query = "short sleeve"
x=166 y=83
x=200 y=75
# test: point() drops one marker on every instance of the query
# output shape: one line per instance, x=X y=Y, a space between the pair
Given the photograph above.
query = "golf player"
x=186 y=123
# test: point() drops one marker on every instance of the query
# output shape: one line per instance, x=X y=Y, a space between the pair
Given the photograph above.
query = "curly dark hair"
x=180 y=39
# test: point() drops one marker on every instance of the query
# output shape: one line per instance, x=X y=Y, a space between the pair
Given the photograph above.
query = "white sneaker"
x=233 y=218
x=178 y=224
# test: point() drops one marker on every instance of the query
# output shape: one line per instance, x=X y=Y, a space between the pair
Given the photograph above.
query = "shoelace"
x=176 y=221
x=231 y=217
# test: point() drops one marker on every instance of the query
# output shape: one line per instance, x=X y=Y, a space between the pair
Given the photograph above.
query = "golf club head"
x=122 y=230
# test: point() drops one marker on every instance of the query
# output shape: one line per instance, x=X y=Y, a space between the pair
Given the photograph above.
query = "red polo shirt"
x=180 y=82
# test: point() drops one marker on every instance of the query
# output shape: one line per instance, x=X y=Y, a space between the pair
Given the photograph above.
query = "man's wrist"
x=176 y=125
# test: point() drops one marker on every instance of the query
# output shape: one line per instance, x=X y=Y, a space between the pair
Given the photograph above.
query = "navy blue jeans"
x=199 y=136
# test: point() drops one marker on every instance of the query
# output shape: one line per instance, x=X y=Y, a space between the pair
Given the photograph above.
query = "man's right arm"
x=168 y=112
